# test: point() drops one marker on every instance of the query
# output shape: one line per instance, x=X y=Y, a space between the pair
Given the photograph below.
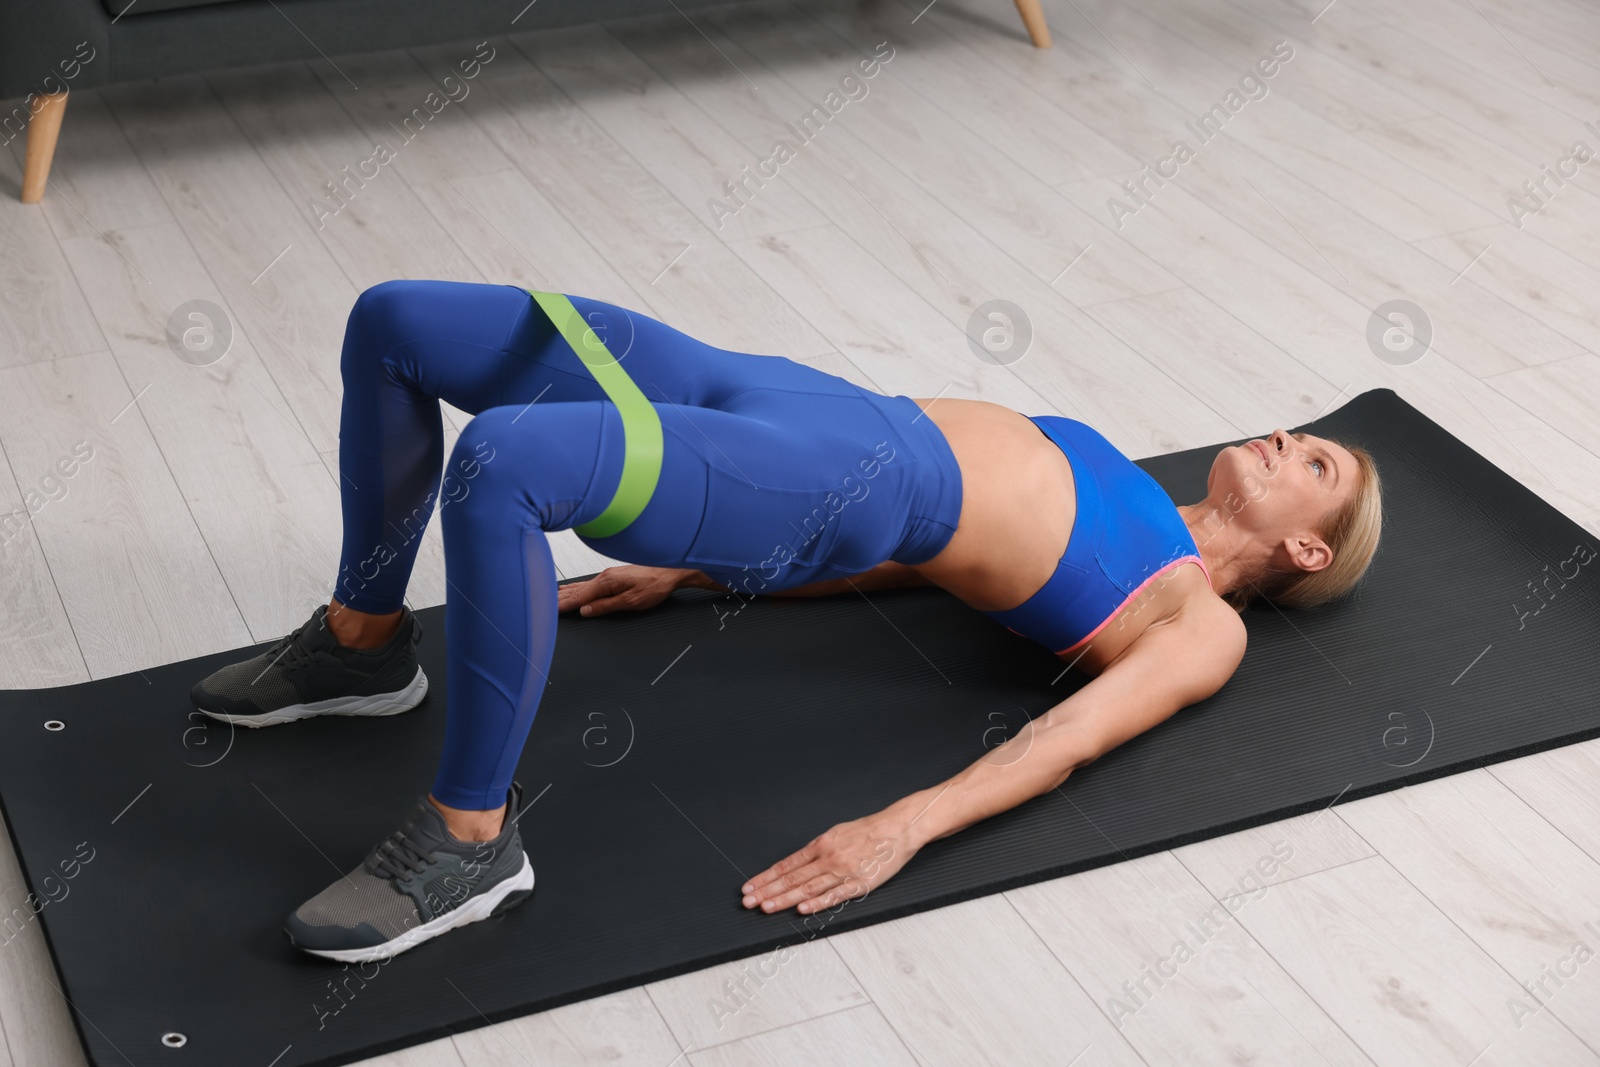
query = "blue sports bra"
x=1127 y=532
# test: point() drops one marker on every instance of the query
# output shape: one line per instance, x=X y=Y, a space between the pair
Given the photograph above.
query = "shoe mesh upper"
x=256 y=681
x=358 y=898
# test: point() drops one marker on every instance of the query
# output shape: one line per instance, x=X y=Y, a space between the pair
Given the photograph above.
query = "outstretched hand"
x=625 y=588
x=848 y=861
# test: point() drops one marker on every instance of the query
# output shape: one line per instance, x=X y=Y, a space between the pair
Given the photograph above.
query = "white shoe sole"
x=472 y=911
x=378 y=704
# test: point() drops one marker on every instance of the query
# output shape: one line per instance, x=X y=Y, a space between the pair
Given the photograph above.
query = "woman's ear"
x=1309 y=552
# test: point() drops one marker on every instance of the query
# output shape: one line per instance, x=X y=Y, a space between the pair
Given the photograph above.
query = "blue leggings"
x=772 y=474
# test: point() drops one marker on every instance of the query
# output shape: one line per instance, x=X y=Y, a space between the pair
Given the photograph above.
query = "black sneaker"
x=310 y=673
x=415 y=885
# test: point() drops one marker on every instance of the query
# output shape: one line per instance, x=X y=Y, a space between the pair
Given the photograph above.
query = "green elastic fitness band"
x=641 y=426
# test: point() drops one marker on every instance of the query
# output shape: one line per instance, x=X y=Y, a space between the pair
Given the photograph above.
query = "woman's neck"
x=1232 y=557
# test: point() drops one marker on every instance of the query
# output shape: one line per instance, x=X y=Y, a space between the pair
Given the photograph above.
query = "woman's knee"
x=519 y=459
x=477 y=473
x=398 y=312
x=464 y=471
x=374 y=325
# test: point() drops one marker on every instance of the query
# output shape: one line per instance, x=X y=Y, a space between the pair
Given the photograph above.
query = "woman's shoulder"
x=1185 y=603
x=1214 y=622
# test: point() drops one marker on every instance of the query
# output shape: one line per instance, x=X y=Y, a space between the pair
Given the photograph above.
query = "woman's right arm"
x=886 y=575
x=631 y=587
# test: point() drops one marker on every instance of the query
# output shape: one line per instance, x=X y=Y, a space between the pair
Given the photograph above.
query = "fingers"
x=782 y=867
x=776 y=893
x=581 y=594
x=827 y=885
x=607 y=605
x=816 y=887
x=571 y=594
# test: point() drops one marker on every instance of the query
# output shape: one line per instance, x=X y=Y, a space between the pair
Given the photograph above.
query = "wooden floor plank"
x=437 y=143
x=247 y=471
x=925 y=974
x=1548 y=284
x=1274 y=853
x=441 y=1053
x=681 y=147
x=858 y=1035
x=1173 y=969
x=1498 y=47
x=1377 y=261
x=1519 y=439
x=1559 y=784
x=1018 y=212
x=1568 y=27
x=1321 y=327
x=1564 y=394
x=660 y=248
x=751 y=996
x=621 y=1028
x=37 y=646
x=1394 y=194
x=137 y=580
x=257 y=243
x=899 y=344
x=1410 y=67
x=42 y=310
x=1254 y=385
x=1046 y=140
x=374 y=227
x=1480 y=331
x=1398 y=976
x=1076 y=364
x=1449 y=839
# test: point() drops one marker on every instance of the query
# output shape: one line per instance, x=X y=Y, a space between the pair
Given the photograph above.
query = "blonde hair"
x=1351 y=530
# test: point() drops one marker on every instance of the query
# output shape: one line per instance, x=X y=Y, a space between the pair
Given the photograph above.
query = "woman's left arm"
x=1174 y=663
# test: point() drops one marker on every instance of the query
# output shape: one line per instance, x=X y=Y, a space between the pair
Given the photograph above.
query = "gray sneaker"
x=415 y=885
x=310 y=673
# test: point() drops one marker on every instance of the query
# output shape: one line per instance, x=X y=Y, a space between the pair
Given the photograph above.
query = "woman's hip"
x=792 y=488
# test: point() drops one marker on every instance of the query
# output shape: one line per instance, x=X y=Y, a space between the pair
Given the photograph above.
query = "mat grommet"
x=55 y=725
x=172 y=1039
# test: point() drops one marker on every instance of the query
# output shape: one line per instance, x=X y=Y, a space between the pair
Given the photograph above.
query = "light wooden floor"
x=1377 y=166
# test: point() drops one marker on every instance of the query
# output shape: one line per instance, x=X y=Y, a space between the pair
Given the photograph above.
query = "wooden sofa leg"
x=1033 y=18
x=43 y=129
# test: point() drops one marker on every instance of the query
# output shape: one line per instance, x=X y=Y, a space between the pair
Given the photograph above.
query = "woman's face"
x=1285 y=483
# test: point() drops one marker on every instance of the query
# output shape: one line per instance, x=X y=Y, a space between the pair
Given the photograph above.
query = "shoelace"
x=290 y=650
x=399 y=855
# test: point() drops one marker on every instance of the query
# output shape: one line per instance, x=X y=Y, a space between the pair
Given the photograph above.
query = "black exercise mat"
x=679 y=751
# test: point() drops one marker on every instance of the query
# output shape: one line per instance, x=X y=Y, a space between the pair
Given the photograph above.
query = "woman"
x=757 y=474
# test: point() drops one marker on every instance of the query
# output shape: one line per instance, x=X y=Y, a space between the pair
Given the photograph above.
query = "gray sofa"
x=48 y=47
